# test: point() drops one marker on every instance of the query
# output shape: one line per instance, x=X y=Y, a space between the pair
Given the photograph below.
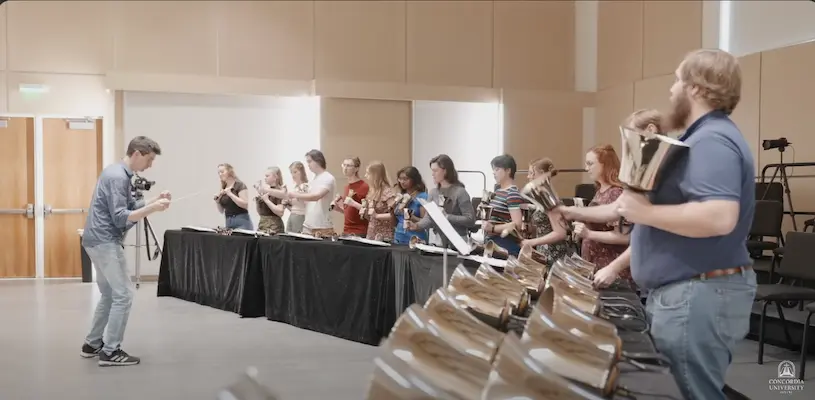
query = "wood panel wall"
x=640 y=44
x=377 y=51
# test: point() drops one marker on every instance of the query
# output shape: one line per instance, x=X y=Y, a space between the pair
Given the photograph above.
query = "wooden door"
x=72 y=161
x=17 y=198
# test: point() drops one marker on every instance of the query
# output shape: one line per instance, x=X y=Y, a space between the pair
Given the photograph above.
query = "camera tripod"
x=781 y=169
x=148 y=233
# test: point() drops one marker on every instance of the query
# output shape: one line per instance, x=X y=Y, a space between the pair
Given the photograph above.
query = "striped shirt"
x=503 y=201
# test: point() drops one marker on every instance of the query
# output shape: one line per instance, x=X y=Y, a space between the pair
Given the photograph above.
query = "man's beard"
x=678 y=116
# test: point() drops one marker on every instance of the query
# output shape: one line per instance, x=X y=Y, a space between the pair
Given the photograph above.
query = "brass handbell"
x=567 y=265
x=512 y=289
x=531 y=279
x=492 y=250
x=527 y=210
x=578 y=262
x=417 y=342
x=541 y=193
x=486 y=303
x=516 y=375
x=583 y=301
x=570 y=356
x=363 y=210
x=458 y=325
x=533 y=259
x=568 y=317
x=395 y=379
x=646 y=157
x=414 y=240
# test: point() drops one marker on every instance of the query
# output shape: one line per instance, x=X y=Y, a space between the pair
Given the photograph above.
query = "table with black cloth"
x=213 y=270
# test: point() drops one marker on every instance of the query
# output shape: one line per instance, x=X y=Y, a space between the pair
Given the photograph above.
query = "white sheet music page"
x=441 y=221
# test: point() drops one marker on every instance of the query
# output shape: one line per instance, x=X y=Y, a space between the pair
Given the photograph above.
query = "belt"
x=721 y=272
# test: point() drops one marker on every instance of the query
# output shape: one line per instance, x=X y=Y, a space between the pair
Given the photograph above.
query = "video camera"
x=140 y=183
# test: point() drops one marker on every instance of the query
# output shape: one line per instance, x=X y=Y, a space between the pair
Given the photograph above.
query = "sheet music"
x=434 y=249
x=364 y=240
x=198 y=228
x=447 y=230
x=299 y=235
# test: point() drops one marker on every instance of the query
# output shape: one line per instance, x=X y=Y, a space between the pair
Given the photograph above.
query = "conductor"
x=112 y=212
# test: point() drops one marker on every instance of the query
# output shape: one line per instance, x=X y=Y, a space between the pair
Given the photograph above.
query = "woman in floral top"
x=381 y=200
x=549 y=234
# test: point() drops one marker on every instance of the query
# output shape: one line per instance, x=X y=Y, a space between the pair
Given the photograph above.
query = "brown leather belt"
x=721 y=272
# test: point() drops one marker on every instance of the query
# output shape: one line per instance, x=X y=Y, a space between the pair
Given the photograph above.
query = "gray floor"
x=190 y=352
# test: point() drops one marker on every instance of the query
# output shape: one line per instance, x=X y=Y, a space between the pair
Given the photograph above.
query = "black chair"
x=811 y=310
x=767 y=220
x=796 y=264
x=770 y=191
x=585 y=191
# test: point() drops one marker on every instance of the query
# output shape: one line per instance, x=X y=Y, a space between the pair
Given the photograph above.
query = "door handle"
x=48 y=210
x=28 y=211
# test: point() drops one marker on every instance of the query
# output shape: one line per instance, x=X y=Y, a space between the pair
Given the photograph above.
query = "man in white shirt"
x=318 y=199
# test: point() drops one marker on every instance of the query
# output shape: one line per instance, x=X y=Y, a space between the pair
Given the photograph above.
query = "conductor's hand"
x=165 y=195
x=161 y=204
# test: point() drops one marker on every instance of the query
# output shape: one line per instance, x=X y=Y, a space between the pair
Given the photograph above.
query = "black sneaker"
x=89 y=352
x=118 y=357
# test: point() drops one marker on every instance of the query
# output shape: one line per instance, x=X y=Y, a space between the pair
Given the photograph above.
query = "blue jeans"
x=696 y=324
x=240 y=221
x=117 y=290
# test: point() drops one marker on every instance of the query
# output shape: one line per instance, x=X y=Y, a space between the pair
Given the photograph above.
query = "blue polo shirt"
x=718 y=166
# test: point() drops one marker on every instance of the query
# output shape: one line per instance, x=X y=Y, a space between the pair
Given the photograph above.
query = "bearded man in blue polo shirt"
x=688 y=243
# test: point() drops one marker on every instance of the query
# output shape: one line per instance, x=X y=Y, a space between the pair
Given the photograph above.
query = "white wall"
x=764 y=25
x=470 y=133
x=198 y=132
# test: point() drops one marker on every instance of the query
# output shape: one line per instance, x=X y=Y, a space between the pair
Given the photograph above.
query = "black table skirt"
x=212 y=270
x=339 y=289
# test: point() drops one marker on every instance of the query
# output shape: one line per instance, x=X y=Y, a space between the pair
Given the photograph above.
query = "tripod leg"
x=138 y=254
x=786 y=183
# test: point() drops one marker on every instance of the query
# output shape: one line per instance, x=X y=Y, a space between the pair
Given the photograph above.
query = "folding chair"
x=796 y=264
x=811 y=310
x=767 y=220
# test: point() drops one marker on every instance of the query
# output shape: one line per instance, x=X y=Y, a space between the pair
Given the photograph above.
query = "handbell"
x=395 y=379
x=458 y=325
x=363 y=211
x=516 y=375
x=531 y=279
x=492 y=250
x=533 y=259
x=646 y=157
x=541 y=193
x=414 y=240
x=512 y=289
x=486 y=303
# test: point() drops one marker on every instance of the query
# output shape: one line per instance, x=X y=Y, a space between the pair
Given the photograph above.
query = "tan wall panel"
x=673 y=28
x=450 y=43
x=3 y=36
x=369 y=129
x=3 y=103
x=539 y=125
x=535 y=45
x=619 y=42
x=53 y=36
x=786 y=111
x=654 y=93
x=746 y=115
x=613 y=106
x=360 y=41
x=69 y=95
x=173 y=37
x=266 y=39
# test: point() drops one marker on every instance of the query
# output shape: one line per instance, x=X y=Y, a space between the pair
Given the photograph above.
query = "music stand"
x=448 y=235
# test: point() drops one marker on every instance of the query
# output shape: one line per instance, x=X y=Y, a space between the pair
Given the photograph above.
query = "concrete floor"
x=190 y=352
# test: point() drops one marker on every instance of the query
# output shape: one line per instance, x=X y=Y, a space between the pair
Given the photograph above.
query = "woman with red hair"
x=603 y=242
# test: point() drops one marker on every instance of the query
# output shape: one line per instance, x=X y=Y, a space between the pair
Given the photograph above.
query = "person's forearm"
x=693 y=220
x=238 y=200
x=622 y=262
x=549 y=238
x=603 y=213
x=383 y=217
x=137 y=215
x=425 y=223
x=608 y=237
x=307 y=196
x=278 y=209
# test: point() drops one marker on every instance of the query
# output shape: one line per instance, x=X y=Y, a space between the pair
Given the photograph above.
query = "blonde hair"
x=297 y=165
x=378 y=179
x=277 y=174
x=229 y=171
x=544 y=165
x=640 y=119
x=717 y=76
